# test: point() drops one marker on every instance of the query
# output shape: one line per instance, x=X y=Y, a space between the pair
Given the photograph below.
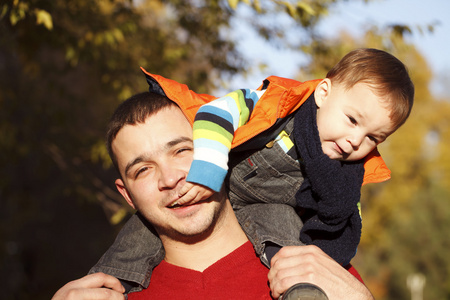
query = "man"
x=153 y=152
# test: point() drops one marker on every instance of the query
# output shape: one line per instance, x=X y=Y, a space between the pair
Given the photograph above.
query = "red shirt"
x=239 y=275
x=355 y=273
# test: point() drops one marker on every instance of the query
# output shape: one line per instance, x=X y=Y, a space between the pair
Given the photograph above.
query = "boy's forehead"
x=366 y=101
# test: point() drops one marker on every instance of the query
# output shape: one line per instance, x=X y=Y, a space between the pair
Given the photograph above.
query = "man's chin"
x=191 y=233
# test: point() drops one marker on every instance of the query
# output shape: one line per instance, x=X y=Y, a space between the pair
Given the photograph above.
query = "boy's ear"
x=322 y=91
x=123 y=190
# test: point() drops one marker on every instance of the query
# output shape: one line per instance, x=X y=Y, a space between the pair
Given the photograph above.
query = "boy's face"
x=351 y=122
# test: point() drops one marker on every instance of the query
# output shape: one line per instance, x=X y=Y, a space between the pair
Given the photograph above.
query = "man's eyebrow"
x=177 y=141
x=166 y=147
x=137 y=160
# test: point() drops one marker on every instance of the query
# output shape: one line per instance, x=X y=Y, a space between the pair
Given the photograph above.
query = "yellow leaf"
x=118 y=35
x=109 y=37
x=4 y=10
x=290 y=8
x=307 y=8
x=13 y=19
x=233 y=3
x=44 y=18
x=118 y=216
x=70 y=53
x=257 y=6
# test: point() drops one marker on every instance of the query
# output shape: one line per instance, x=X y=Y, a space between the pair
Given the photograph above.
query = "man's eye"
x=183 y=149
x=140 y=171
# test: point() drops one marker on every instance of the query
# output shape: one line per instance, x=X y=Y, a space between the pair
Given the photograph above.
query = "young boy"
x=363 y=99
x=310 y=145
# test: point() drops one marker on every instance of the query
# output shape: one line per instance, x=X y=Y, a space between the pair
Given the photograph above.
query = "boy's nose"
x=355 y=140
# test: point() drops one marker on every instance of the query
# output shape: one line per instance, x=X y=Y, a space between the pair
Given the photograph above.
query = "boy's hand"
x=192 y=193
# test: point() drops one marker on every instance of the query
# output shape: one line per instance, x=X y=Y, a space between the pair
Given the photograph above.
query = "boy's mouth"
x=338 y=149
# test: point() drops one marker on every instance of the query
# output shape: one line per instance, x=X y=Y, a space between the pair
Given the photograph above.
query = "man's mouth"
x=174 y=204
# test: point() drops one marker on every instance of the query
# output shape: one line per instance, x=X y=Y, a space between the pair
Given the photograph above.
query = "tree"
x=59 y=84
x=406 y=219
x=65 y=65
x=404 y=210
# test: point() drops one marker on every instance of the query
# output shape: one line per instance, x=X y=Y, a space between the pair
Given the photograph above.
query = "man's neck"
x=226 y=237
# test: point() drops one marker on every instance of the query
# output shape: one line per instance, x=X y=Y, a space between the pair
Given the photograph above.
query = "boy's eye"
x=352 y=119
x=373 y=139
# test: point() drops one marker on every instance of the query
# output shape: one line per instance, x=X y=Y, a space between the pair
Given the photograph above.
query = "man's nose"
x=170 y=176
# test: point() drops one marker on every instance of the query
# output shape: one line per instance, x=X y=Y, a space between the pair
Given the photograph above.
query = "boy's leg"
x=274 y=225
x=304 y=291
x=134 y=253
x=268 y=175
x=270 y=227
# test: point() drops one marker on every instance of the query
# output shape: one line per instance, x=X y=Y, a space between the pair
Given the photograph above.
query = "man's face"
x=351 y=122
x=154 y=158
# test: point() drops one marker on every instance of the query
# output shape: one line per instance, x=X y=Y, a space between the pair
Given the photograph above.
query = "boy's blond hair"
x=384 y=73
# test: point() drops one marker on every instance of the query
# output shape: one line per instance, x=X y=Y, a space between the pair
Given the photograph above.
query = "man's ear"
x=123 y=190
x=322 y=91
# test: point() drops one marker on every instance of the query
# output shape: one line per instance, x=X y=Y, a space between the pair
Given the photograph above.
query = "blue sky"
x=354 y=16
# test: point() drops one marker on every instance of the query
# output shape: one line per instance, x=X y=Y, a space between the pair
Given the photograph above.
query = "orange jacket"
x=283 y=96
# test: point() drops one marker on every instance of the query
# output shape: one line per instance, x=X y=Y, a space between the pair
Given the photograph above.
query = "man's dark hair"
x=132 y=111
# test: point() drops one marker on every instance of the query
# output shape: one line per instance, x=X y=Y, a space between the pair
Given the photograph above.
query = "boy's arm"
x=214 y=127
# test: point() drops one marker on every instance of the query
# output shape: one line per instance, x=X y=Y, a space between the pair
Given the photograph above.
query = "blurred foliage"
x=406 y=220
x=62 y=75
x=65 y=66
